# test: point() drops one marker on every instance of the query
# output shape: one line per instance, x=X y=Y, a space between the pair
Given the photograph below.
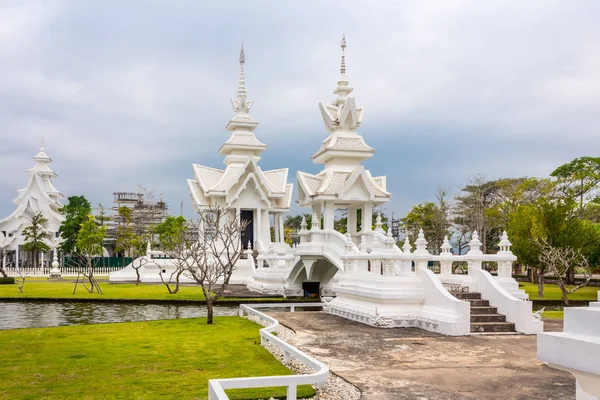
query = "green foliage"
x=139 y=360
x=76 y=212
x=169 y=230
x=294 y=222
x=90 y=237
x=35 y=235
x=7 y=281
x=579 y=179
x=128 y=241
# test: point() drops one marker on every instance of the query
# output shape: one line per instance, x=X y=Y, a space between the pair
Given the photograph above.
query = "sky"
x=134 y=92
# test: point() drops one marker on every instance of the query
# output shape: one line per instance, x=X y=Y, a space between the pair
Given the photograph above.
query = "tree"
x=579 y=179
x=562 y=259
x=35 y=235
x=215 y=252
x=174 y=239
x=76 y=212
x=341 y=224
x=433 y=218
x=131 y=243
x=89 y=245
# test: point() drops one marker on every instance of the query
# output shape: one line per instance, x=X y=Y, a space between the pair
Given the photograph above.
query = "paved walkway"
x=408 y=363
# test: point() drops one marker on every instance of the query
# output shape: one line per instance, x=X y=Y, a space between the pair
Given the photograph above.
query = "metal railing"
x=217 y=387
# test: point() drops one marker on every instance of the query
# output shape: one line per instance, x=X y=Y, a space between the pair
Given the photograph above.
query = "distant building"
x=146 y=213
x=39 y=195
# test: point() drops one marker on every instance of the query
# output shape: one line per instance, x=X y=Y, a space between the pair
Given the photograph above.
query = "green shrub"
x=7 y=281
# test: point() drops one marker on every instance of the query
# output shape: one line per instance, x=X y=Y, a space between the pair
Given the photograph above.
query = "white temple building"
x=39 y=195
x=243 y=186
x=256 y=196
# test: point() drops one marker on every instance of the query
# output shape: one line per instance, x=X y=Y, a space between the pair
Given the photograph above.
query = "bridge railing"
x=217 y=387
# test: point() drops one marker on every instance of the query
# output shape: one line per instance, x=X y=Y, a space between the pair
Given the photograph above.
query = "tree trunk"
x=540 y=283
x=137 y=273
x=570 y=276
x=565 y=299
x=209 y=311
x=35 y=257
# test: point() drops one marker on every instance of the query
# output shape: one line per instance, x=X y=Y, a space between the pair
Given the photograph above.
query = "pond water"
x=36 y=315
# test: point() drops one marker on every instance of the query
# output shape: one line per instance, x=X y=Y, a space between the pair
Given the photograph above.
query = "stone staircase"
x=484 y=318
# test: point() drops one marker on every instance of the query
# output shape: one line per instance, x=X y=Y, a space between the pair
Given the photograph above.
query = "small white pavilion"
x=243 y=186
x=344 y=182
x=39 y=195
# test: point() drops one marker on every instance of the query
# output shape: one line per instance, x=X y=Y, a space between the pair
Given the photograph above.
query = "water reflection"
x=35 y=315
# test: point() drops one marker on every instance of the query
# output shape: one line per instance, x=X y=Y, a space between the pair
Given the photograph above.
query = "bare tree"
x=560 y=260
x=177 y=245
x=215 y=252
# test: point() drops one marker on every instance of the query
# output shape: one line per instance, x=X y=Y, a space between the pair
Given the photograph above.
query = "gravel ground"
x=335 y=388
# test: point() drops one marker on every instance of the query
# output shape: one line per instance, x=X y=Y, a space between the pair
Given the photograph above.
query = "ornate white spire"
x=343 y=65
x=240 y=105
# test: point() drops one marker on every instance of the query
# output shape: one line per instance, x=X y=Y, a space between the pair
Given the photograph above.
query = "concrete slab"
x=407 y=363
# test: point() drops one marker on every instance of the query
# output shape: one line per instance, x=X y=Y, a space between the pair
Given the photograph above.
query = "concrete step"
x=467 y=295
x=479 y=303
x=483 y=310
x=492 y=327
x=476 y=318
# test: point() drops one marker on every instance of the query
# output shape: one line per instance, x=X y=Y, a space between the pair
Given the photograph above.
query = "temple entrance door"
x=311 y=289
x=248 y=235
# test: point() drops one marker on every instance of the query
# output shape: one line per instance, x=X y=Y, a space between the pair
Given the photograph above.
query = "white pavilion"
x=258 y=197
x=344 y=182
x=243 y=186
x=39 y=195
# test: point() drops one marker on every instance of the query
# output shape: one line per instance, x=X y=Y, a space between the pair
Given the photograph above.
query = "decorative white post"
x=446 y=259
x=406 y=249
x=421 y=254
x=474 y=254
x=379 y=224
x=55 y=271
x=504 y=266
x=316 y=222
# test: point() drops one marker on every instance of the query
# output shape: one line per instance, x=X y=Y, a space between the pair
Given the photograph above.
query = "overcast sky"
x=134 y=92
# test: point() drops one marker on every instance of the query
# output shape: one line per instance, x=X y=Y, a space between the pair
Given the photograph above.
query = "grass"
x=139 y=360
x=41 y=288
x=554 y=314
x=552 y=292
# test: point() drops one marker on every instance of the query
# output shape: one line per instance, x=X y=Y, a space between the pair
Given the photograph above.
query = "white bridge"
x=373 y=281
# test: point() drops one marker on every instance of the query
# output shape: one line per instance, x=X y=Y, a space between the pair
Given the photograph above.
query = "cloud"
x=134 y=92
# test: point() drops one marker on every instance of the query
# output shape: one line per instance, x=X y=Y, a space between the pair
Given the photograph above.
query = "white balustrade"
x=217 y=387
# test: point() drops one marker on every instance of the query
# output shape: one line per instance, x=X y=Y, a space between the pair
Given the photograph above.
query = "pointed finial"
x=242 y=82
x=240 y=104
x=42 y=143
x=242 y=55
x=343 y=65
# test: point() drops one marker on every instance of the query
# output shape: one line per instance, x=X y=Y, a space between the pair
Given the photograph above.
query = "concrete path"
x=408 y=363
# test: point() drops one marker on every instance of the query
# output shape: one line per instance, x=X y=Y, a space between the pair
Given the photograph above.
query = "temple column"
x=281 y=230
x=257 y=227
x=266 y=226
x=351 y=220
x=329 y=215
x=276 y=217
x=367 y=218
x=17 y=257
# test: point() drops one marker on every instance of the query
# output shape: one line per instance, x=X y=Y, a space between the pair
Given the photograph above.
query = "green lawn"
x=554 y=314
x=552 y=292
x=138 y=360
x=42 y=288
